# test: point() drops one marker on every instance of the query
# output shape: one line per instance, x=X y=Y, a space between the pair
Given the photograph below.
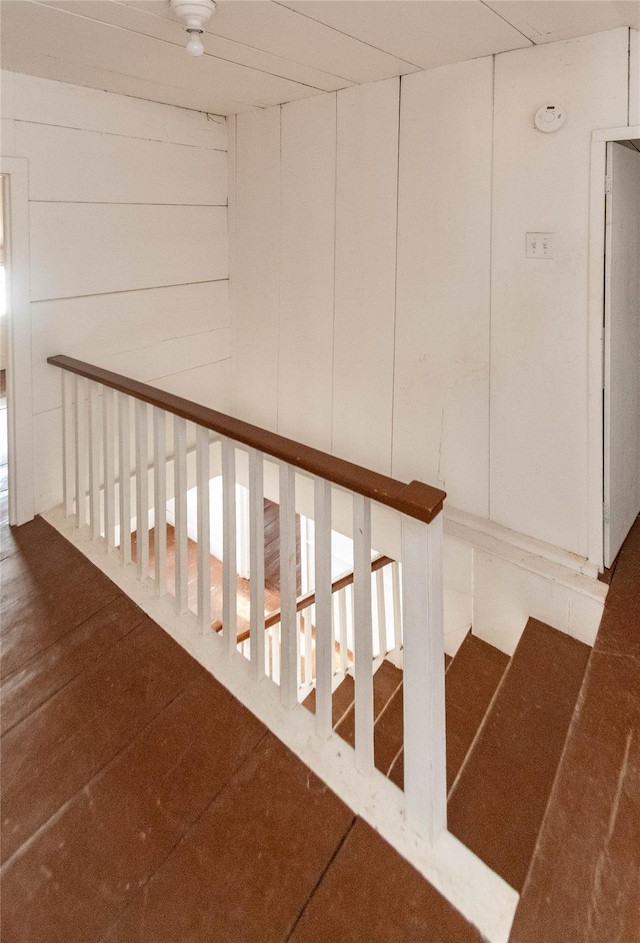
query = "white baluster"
x=300 y=641
x=425 y=785
x=81 y=451
x=125 y=477
x=362 y=633
x=180 y=529
x=142 y=490
x=94 y=460
x=276 y=635
x=108 y=450
x=204 y=529
x=256 y=561
x=68 y=446
x=343 y=620
x=397 y=605
x=268 y=660
x=229 y=550
x=324 y=628
x=308 y=646
x=382 y=616
x=288 y=624
x=160 y=500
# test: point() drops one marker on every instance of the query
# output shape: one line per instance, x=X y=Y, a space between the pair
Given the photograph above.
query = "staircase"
x=451 y=761
x=507 y=721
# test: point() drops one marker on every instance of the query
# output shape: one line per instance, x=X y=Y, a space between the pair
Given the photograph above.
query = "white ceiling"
x=265 y=52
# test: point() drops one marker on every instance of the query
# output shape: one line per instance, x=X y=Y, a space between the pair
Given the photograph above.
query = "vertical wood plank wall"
x=308 y=182
x=551 y=327
x=128 y=218
x=453 y=357
x=366 y=207
x=442 y=316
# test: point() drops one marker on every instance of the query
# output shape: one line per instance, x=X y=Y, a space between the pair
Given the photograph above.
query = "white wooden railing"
x=386 y=627
x=132 y=454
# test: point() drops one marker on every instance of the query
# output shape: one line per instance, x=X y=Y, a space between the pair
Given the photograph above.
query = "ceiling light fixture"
x=195 y=14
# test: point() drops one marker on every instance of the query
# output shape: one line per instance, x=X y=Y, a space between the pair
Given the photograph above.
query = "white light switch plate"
x=539 y=245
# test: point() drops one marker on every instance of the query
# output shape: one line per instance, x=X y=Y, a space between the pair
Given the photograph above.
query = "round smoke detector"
x=549 y=118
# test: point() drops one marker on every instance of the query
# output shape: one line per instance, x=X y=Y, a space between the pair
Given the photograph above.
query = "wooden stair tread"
x=386 y=682
x=341 y=701
x=388 y=732
x=498 y=801
x=471 y=679
x=470 y=683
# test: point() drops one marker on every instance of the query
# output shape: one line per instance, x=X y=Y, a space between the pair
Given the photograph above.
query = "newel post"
x=425 y=768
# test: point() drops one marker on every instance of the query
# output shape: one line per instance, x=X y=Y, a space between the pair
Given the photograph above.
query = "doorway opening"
x=602 y=427
x=621 y=314
x=4 y=476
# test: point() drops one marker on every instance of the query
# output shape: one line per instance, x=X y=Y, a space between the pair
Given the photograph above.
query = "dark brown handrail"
x=416 y=499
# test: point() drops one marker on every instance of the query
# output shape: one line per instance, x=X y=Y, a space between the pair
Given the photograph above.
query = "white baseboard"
x=508 y=577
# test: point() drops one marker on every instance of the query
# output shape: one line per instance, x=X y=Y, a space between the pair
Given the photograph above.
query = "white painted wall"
x=539 y=308
x=128 y=223
x=464 y=364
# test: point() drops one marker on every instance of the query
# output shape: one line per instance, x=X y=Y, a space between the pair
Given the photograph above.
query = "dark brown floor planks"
x=245 y=871
x=50 y=670
x=56 y=750
x=372 y=895
x=34 y=618
x=186 y=826
x=82 y=871
x=584 y=884
x=499 y=799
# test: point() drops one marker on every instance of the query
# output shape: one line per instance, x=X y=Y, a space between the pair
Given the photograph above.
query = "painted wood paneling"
x=86 y=166
x=286 y=34
x=427 y=35
x=147 y=363
x=306 y=270
x=84 y=249
x=126 y=62
x=366 y=205
x=164 y=26
x=169 y=357
x=43 y=101
x=104 y=325
x=539 y=307
x=257 y=259
x=8 y=137
x=119 y=276
x=634 y=77
x=7 y=114
x=553 y=22
x=208 y=384
x=47 y=459
x=441 y=391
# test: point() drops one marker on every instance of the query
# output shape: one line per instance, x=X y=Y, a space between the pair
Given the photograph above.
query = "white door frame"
x=599 y=141
x=19 y=405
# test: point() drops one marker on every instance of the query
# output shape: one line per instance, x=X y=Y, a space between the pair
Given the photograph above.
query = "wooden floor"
x=584 y=884
x=141 y=802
